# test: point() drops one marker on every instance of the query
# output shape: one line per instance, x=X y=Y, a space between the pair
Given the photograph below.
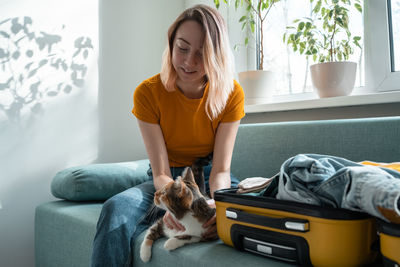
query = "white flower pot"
x=258 y=86
x=333 y=78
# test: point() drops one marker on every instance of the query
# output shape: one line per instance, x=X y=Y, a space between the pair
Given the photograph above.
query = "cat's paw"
x=172 y=244
x=145 y=253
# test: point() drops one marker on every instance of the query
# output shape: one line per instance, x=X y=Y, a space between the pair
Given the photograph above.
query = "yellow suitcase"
x=294 y=232
x=389 y=236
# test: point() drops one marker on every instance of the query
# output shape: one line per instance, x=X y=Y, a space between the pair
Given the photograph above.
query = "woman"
x=189 y=110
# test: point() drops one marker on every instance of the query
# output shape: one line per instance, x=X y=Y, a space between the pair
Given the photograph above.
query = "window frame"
x=378 y=66
x=379 y=77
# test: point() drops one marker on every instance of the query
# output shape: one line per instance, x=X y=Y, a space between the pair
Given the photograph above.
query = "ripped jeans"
x=337 y=182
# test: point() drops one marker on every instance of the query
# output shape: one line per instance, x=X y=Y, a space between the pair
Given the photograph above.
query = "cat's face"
x=177 y=196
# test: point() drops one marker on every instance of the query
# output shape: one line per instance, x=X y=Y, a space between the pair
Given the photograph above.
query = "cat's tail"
x=198 y=171
x=204 y=161
x=152 y=234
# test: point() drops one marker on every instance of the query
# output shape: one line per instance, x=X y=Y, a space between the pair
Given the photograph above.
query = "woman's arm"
x=223 y=149
x=157 y=153
x=220 y=176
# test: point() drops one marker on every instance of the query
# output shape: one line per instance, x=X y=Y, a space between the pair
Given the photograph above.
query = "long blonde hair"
x=217 y=57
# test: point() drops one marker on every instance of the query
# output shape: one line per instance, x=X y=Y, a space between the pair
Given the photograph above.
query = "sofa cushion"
x=64 y=233
x=96 y=182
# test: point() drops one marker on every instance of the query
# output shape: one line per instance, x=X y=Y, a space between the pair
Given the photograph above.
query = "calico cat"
x=183 y=199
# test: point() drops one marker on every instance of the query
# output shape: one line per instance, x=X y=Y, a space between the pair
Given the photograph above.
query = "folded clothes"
x=330 y=181
x=253 y=184
x=337 y=182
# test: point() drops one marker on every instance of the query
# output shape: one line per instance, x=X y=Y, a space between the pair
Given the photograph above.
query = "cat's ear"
x=178 y=182
x=187 y=175
x=180 y=187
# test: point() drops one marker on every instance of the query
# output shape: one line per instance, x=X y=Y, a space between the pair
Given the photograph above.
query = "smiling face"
x=187 y=57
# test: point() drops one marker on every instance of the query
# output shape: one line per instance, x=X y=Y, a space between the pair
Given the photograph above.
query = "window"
x=394 y=33
x=378 y=61
x=379 y=76
x=292 y=69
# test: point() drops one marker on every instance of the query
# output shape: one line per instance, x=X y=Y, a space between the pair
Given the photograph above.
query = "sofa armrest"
x=98 y=182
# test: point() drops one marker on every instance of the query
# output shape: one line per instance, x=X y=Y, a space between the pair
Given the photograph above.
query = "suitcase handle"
x=283 y=246
x=290 y=224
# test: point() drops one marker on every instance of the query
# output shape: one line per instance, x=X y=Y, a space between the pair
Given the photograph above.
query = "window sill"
x=311 y=101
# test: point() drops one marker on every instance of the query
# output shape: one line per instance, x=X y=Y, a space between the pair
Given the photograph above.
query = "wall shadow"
x=30 y=62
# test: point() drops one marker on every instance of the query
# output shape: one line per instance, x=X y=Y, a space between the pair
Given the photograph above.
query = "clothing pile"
x=253 y=185
x=331 y=181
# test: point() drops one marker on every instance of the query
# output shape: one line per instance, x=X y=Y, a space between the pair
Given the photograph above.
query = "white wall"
x=133 y=36
x=91 y=123
x=48 y=120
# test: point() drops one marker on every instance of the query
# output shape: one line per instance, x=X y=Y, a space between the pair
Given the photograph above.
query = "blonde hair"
x=217 y=57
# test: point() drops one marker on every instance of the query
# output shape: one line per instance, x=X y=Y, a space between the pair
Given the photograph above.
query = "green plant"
x=326 y=35
x=256 y=13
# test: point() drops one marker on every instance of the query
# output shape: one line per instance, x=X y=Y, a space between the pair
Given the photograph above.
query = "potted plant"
x=257 y=84
x=327 y=39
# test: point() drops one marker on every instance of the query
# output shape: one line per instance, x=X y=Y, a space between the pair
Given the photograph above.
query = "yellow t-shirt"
x=188 y=132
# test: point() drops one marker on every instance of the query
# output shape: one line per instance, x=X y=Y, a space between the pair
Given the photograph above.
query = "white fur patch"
x=172 y=243
x=192 y=227
x=145 y=250
x=145 y=253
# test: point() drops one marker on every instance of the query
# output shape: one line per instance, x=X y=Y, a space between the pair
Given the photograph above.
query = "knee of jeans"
x=121 y=201
x=119 y=206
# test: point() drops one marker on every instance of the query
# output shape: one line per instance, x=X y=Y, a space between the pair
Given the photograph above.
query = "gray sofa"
x=64 y=229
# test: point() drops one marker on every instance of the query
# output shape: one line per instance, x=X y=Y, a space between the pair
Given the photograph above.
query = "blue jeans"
x=340 y=183
x=124 y=217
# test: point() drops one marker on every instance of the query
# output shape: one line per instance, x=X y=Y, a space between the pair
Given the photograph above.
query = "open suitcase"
x=298 y=233
x=389 y=236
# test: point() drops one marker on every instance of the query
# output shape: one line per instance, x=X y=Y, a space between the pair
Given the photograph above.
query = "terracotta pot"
x=333 y=78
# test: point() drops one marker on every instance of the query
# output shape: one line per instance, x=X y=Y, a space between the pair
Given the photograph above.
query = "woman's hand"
x=211 y=232
x=171 y=223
